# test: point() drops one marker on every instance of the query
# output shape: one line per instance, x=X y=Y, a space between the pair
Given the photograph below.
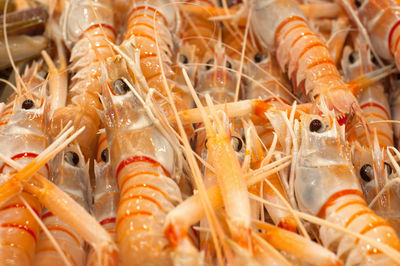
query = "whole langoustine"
x=87 y=26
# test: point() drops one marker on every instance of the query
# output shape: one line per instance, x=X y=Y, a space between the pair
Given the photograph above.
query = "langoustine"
x=86 y=28
x=142 y=164
x=23 y=137
x=371 y=163
x=326 y=186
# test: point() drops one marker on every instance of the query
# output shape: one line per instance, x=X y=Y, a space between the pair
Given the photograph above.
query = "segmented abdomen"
x=146 y=24
x=18 y=230
x=306 y=58
x=147 y=195
x=70 y=243
x=375 y=107
x=347 y=208
x=382 y=21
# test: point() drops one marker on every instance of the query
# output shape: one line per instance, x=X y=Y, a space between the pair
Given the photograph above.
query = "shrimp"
x=210 y=178
x=196 y=36
x=144 y=162
x=192 y=210
x=216 y=77
x=70 y=173
x=197 y=31
x=268 y=84
x=270 y=191
x=106 y=196
x=28 y=115
x=371 y=165
x=56 y=201
x=63 y=206
x=326 y=186
x=233 y=35
x=178 y=220
x=282 y=26
x=267 y=80
x=381 y=20
x=229 y=175
x=22 y=137
x=86 y=25
x=373 y=99
x=148 y=28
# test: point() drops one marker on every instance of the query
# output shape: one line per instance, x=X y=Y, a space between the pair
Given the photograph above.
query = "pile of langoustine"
x=200 y=133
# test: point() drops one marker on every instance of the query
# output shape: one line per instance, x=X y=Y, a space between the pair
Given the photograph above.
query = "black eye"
x=183 y=59
x=259 y=57
x=209 y=63
x=228 y=64
x=358 y=3
x=104 y=155
x=315 y=125
x=236 y=143
x=27 y=104
x=366 y=172
x=353 y=57
x=397 y=76
x=373 y=59
x=120 y=87
x=388 y=168
x=72 y=158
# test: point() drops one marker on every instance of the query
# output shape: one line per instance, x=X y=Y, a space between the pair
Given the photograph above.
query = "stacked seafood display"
x=200 y=132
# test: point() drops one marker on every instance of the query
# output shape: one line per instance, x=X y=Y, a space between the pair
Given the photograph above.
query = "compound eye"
x=210 y=64
x=104 y=155
x=228 y=64
x=120 y=87
x=373 y=59
x=358 y=3
x=72 y=158
x=366 y=172
x=183 y=59
x=388 y=168
x=316 y=126
x=237 y=143
x=259 y=57
x=353 y=56
x=28 y=104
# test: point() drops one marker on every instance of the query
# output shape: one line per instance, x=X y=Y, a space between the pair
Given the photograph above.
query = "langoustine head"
x=129 y=125
x=374 y=170
x=267 y=80
x=70 y=172
x=216 y=76
x=323 y=166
